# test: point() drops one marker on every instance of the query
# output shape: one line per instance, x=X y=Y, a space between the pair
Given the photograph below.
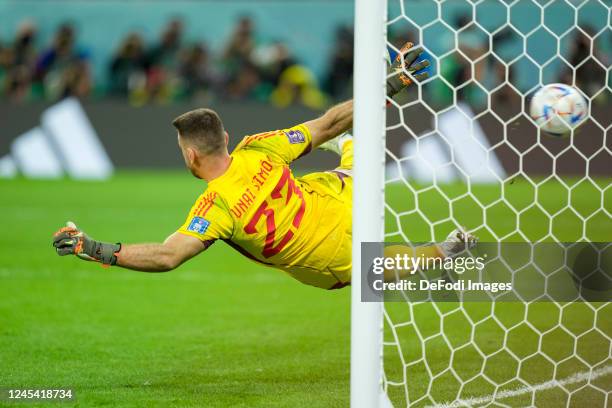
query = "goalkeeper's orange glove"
x=72 y=241
x=405 y=69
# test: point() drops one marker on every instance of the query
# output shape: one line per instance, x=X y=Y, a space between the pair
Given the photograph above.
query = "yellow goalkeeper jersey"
x=300 y=225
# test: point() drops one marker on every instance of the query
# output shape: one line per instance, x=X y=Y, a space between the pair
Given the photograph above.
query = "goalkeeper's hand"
x=405 y=69
x=72 y=241
x=458 y=241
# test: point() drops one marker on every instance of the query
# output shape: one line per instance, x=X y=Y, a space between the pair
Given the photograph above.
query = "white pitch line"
x=572 y=379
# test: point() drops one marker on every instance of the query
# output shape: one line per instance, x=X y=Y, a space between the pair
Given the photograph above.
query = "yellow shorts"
x=339 y=184
x=335 y=191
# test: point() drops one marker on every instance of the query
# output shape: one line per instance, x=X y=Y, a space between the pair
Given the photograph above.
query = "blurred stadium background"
x=224 y=51
x=222 y=331
x=243 y=58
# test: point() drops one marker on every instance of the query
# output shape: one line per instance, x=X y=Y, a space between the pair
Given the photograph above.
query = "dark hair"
x=202 y=128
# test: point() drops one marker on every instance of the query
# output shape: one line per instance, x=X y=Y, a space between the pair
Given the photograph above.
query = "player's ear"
x=191 y=156
x=226 y=138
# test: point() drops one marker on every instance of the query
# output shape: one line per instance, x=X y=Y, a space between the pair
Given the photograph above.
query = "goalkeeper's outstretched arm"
x=406 y=68
x=334 y=122
x=175 y=250
x=154 y=257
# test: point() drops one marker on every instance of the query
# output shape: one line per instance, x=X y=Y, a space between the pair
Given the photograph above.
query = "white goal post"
x=368 y=194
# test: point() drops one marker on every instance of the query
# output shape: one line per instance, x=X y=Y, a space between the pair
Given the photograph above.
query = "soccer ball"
x=558 y=108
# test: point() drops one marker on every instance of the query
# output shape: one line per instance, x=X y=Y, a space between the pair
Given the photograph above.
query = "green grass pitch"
x=220 y=331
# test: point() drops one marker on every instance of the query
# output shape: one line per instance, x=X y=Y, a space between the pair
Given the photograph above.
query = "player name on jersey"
x=247 y=198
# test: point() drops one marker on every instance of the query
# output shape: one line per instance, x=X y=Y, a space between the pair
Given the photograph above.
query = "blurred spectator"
x=18 y=83
x=23 y=47
x=75 y=80
x=62 y=69
x=163 y=64
x=297 y=85
x=339 y=78
x=6 y=65
x=245 y=84
x=590 y=76
x=473 y=43
x=241 y=44
x=16 y=63
x=468 y=64
x=165 y=54
x=243 y=78
x=127 y=69
x=272 y=61
x=197 y=75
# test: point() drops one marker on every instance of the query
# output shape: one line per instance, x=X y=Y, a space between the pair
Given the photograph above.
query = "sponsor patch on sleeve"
x=198 y=225
x=295 y=136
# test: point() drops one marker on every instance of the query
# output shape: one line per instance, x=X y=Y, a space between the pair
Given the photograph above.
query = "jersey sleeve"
x=286 y=145
x=208 y=219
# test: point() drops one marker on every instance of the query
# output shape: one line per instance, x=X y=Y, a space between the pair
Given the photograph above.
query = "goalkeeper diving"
x=301 y=225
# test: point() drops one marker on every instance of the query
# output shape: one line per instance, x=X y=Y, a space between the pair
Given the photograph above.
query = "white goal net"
x=462 y=150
